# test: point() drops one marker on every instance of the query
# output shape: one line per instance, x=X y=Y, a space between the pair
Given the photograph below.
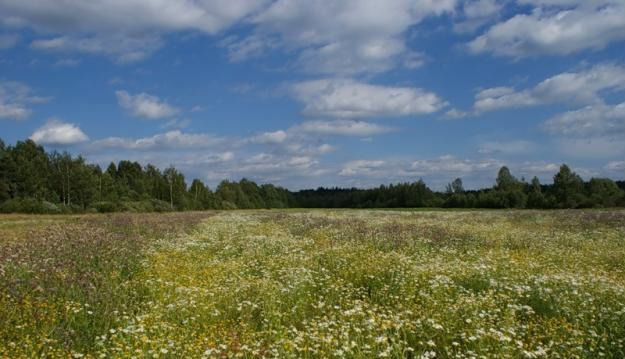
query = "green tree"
x=4 y=173
x=509 y=190
x=28 y=166
x=177 y=188
x=568 y=188
x=455 y=186
x=603 y=192
x=535 y=197
x=201 y=197
x=252 y=193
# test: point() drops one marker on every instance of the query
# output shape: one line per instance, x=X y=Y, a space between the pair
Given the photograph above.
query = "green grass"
x=315 y=283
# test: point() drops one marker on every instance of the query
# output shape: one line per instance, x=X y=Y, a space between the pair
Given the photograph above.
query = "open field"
x=319 y=283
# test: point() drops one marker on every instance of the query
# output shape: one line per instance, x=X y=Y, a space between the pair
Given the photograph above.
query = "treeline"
x=34 y=181
x=567 y=191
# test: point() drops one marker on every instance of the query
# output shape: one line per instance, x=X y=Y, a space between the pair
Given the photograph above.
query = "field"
x=318 y=283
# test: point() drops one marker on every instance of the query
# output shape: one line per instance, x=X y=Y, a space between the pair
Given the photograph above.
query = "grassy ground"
x=315 y=283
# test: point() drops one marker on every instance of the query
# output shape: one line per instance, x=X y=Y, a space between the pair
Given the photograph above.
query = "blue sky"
x=321 y=93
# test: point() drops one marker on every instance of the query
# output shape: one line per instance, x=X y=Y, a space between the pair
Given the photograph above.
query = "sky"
x=309 y=93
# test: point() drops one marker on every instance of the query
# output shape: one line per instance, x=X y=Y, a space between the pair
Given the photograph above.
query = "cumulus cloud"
x=353 y=36
x=345 y=99
x=362 y=168
x=477 y=13
x=347 y=37
x=58 y=133
x=555 y=27
x=145 y=105
x=121 y=48
x=584 y=86
x=270 y=137
x=455 y=114
x=343 y=128
x=164 y=141
x=16 y=99
x=117 y=28
x=454 y=166
x=597 y=120
x=444 y=165
x=592 y=132
x=132 y=16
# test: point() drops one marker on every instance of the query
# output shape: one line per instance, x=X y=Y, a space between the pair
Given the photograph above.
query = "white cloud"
x=362 y=168
x=130 y=15
x=117 y=28
x=596 y=120
x=343 y=128
x=599 y=147
x=340 y=98
x=539 y=169
x=121 y=47
x=58 y=133
x=146 y=106
x=455 y=114
x=617 y=166
x=477 y=13
x=557 y=27
x=447 y=165
x=164 y=141
x=593 y=132
x=270 y=137
x=453 y=166
x=436 y=172
x=585 y=86
x=206 y=159
x=15 y=100
x=516 y=147
x=350 y=36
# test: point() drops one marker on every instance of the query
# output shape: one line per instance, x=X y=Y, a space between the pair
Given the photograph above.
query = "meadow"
x=314 y=284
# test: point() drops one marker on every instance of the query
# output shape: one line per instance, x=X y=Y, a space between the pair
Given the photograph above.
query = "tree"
x=177 y=188
x=535 y=197
x=568 y=188
x=201 y=197
x=4 y=173
x=28 y=167
x=603 y=192
x=455 y=186
x=457 y=197
x=509 y=190
x=252 y=193
x=85 y=182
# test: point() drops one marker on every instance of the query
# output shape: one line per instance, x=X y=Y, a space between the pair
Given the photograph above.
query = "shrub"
x=29 y=205
x=105 y=207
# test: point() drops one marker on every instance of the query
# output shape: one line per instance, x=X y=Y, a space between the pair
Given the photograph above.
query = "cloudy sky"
x=307 y=93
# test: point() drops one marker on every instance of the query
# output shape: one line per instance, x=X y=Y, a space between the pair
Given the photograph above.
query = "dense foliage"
x=34 y=181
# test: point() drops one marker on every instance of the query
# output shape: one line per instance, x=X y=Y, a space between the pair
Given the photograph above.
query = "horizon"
x=308 y=94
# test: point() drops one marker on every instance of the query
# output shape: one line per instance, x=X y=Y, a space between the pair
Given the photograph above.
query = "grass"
x=315 y=283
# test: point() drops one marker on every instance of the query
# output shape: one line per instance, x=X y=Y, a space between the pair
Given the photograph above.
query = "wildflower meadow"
x=314 y=284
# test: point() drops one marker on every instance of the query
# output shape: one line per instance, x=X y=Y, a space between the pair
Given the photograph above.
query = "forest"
x=35 y=181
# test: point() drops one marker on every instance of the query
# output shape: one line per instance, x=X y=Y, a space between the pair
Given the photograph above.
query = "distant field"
x=317 y=283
